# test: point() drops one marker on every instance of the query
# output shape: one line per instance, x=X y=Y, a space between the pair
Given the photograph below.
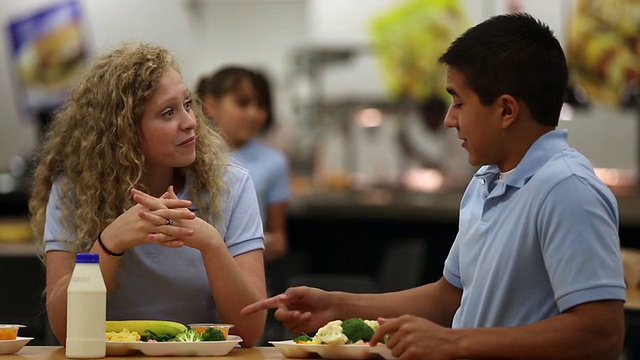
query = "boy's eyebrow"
x=451 y=91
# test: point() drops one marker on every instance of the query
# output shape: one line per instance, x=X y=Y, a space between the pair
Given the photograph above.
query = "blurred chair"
x=23 y=302
x=401 y=267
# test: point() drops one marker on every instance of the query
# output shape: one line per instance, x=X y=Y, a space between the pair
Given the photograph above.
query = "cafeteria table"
x=57 y=353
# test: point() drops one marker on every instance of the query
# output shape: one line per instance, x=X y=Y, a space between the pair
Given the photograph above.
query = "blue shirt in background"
x=269 y=170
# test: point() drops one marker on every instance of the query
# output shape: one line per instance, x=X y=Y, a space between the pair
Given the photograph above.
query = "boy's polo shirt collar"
x=543 y=149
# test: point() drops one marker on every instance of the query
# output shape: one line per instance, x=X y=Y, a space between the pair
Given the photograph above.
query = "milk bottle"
x=86 y=309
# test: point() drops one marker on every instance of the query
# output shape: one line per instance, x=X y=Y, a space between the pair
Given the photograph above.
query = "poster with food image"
x=603 y=48
x=48 y=45
x=409 y=38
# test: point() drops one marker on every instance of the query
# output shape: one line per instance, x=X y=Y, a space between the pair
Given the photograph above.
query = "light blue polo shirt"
x=157 y=282
x=541 y=242
x=269 y=170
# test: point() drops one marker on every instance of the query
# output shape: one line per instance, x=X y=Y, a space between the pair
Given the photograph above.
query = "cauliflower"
x=337 y=332
x=331 y=334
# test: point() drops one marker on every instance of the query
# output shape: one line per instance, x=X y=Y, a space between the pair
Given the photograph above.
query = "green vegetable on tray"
x=156 y=337
x=356 y=329
x=302 y=338
x=213 y=334
x=188 y=336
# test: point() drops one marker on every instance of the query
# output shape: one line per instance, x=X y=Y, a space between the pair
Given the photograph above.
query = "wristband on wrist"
x=111 y=253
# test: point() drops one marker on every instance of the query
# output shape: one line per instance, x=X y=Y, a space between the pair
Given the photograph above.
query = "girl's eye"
x=187 y=104
x=168 y=113
x=457 y=105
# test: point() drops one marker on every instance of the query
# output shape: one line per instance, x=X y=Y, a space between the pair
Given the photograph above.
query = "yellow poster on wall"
x=603 y=48
x=409 y=39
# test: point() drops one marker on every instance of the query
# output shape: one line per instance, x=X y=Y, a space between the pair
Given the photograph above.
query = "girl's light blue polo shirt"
x=157 y=282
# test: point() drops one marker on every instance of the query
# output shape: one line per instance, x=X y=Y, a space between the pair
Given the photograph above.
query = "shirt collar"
x=543 y=149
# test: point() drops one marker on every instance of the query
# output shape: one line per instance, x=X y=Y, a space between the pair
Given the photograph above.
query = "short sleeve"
x=452 y=267
x=243 y=231
x=578 y=227
x=55 y=236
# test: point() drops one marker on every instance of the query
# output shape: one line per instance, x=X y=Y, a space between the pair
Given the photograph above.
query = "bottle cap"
x=85 y=258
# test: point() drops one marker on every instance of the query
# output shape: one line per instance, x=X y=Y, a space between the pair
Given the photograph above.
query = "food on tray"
x=201 y=328
x=158 y=330
x=9 y=331
x=303 y=339
x=162 y=331
x=125 y=336
x=191 y=335
x=338 y=332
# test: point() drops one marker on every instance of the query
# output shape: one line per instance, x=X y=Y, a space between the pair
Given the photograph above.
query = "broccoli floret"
x=302 y=338
x=212 y=334
x=356 y=329
x=188 y=336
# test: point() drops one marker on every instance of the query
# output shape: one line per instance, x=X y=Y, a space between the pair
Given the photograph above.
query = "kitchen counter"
x=352 y=228
x=396 y=204
x=377 y=204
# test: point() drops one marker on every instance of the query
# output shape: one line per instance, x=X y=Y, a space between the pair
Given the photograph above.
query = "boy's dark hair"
x=230 y=79
x=513 y=54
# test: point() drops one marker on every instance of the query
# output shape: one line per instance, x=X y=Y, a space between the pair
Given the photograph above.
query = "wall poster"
x=604 y=49
x=48 y=46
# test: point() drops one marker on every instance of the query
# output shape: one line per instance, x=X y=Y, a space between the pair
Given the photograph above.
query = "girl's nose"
x=188 y=120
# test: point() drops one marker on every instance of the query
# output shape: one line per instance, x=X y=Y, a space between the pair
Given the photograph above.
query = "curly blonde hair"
x=92 y=150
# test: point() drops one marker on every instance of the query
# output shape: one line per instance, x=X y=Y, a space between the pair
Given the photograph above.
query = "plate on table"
x=292 y=350
x=13 y=346
x=172 y=348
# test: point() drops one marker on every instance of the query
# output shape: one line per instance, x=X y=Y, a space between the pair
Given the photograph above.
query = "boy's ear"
x=510 y=109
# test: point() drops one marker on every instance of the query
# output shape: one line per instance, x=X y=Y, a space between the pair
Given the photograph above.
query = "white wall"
x=206 y=34
x=203 y=34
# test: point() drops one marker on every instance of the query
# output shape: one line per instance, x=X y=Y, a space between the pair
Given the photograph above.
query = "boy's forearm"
x=566 y=336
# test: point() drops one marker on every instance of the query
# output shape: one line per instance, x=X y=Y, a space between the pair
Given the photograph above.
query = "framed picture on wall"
x=48 y=45
x=604 y=49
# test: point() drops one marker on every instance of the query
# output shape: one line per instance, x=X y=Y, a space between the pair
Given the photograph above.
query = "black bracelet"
x=111 y=253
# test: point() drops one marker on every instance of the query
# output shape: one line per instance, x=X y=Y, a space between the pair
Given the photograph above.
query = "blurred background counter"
x=348 y=231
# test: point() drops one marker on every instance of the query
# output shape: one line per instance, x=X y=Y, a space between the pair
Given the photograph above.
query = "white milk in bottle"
x=86 y=310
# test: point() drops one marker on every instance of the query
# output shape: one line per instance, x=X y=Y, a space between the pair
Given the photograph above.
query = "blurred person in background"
x=130 y=170
x=427 y=143
x=238 y=100
x=535 y=271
